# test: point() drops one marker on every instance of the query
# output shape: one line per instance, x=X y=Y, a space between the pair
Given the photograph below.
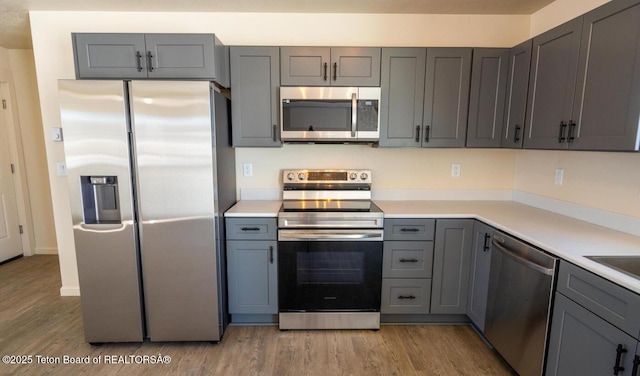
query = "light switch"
x=62 y=168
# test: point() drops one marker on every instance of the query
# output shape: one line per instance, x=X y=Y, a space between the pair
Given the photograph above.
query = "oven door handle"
x=284 y=235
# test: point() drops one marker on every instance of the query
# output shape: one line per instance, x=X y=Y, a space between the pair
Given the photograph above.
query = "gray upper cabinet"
x=451 y=264
x=446 y=97
x=255 y=78
x=157 y=56
x=330 y=66
x=402 y=101
x=551 y=86
x=607 y=98
x=516 y=96
x=479 y=274
x=486 y=98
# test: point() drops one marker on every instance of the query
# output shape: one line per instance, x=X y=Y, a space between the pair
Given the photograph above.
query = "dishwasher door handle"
x=528 y=263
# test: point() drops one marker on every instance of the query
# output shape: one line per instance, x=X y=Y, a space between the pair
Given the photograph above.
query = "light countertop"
x=565 y=237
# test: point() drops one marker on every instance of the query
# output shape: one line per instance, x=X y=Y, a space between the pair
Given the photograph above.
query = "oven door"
x=330 y=275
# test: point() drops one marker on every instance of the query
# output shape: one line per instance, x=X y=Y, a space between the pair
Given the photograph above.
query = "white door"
x=10 y=242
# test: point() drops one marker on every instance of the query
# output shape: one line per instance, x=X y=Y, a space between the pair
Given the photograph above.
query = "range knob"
x=364 y=176
x=290 y=176
x=353 y=176
x=301 y=176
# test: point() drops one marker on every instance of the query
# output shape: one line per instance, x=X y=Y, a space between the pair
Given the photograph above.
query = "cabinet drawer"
x=252 y=228
x=405 y=296
x=407 y=259
x=409 y=229
x=613 y=303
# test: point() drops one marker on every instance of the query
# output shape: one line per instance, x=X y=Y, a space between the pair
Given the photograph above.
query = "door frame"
x=16 y=151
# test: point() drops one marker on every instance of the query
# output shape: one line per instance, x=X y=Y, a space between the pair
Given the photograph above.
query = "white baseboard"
x=46 y=251
x=69 y=291
x=615 y=221
x=443 y=194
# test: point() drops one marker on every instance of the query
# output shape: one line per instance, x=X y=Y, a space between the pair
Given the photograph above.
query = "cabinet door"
x=255 y=78
x=180 y=56
x=355 y=66
x=479 y=274
x=252 y=273
x=405 y=296
x=516 y=101
x=402 y=101
x=304 y=66
x=486 y=98
x=102 y=55
x=581 y=343
x=451 y=263
x=607 y=97
x=551 y=86
x=446 y=97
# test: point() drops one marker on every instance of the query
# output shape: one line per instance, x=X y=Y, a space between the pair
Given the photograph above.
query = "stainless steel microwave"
x=329 y=114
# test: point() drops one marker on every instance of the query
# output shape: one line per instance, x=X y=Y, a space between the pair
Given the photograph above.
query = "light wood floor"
x=36 y=320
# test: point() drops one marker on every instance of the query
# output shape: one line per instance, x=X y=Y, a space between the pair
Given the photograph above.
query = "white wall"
x=17 y=71
x=51 y=32
x=559 y=12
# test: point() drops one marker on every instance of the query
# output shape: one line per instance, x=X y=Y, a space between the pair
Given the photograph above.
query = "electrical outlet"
x=455 y=170
x=559 y=176
x=56 y=134
x=247 y=169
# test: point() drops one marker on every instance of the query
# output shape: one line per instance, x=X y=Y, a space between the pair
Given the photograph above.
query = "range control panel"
x=326 y=176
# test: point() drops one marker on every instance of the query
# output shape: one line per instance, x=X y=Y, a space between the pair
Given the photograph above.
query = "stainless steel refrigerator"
x=150 y=171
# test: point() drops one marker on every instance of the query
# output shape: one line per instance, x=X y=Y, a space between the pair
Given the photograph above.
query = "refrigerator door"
x=94 y=117
x=172 y=129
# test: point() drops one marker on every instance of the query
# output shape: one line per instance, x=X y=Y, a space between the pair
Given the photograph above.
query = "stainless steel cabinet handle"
x=525 y=262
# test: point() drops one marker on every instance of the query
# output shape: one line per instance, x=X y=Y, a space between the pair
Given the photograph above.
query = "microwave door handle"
x=354 y=114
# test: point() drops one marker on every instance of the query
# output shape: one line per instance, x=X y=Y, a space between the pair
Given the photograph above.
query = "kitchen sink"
x=626 y=264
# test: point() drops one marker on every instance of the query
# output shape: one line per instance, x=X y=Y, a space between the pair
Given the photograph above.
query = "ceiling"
x=15 y=31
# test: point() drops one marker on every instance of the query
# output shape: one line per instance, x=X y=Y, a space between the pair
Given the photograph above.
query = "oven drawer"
x=407 y=259
x=252 y=228
x=405 y=296
x=409 y=229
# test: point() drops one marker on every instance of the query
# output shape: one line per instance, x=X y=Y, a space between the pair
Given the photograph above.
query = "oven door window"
x=329 y=276
x=314 y=115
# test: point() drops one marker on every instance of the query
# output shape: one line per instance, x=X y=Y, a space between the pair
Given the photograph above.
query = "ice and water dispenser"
x=100 y=203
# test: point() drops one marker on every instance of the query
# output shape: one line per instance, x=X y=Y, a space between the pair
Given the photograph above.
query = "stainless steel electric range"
x=329 y=251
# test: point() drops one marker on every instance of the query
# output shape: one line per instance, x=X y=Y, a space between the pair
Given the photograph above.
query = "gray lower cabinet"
x=515 y=107
x=407 y=266
x=451 y=264
x=252 y=268
x=446 y=97
x=581 y=343
x=156 y=56
x=487 y=97
x=330 y=66
x=479 y=274
x=255 y=78
x=594 y=323
x=402 y=96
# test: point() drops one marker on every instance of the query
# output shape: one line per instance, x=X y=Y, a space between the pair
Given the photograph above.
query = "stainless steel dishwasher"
x=521 y=280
